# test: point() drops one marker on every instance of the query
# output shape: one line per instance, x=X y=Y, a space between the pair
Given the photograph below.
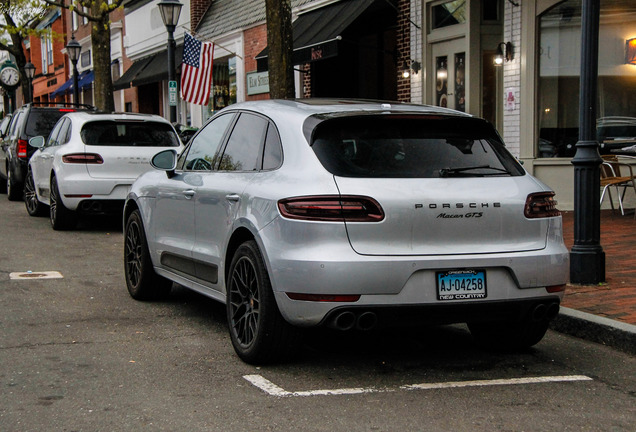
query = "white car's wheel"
x=33 y=206
x=61 y=217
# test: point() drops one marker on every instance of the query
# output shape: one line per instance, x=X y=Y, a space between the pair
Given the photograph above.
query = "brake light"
x=324 y=297
x=332 y=208
x=67 y=110
x=22 y=148
x=541 y=205
x=83 y=158
x=555 y=288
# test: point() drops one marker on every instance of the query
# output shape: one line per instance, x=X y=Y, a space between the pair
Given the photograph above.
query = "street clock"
x=9 y=75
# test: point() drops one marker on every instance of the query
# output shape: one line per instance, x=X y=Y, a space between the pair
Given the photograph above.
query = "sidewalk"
x=605 y=313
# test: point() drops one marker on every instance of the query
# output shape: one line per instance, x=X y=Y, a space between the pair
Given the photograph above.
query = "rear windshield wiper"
x=448 y=172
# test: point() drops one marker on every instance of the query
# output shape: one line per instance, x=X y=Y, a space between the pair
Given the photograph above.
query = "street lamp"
x=170 y=11
x=29 y=71
x=73 y=49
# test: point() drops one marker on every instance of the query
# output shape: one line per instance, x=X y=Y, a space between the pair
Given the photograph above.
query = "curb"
x=615 y=334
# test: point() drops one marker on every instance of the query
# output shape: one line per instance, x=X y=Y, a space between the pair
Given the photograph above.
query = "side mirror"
x=165 y=161
x=37 y=142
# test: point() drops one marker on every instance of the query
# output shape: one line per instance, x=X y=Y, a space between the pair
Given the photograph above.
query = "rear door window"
x=242 y=152
x=411 y=146
x=120 y=133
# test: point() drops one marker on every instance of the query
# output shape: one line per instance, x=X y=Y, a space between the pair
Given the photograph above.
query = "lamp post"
x=29 y=71
x=73 y=49
x=587 y=258
x=170 y=11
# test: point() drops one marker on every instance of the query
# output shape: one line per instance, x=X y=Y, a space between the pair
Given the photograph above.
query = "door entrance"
x=449 y=64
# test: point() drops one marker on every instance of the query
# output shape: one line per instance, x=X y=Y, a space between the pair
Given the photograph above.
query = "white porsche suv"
x=89 y=162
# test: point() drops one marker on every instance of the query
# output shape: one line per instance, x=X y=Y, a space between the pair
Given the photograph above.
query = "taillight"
x=541 y=205
x=22 y=148
x=82 y=158
x=332 y=208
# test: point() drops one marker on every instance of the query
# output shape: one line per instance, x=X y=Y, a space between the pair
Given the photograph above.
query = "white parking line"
x=274 y=390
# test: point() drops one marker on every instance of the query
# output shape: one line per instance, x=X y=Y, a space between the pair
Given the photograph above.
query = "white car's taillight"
x=332 y=208
x=541 y=205
x=83 y=158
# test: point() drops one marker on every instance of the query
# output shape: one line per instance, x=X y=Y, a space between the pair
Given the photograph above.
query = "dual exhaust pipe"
x=348 y=320
x=545 y=312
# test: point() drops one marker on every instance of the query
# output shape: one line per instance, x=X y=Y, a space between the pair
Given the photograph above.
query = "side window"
x=14 y=124
x=272 y=153
x=65 y=132
x=53 y=136
x=202 y=154
x=244 y=145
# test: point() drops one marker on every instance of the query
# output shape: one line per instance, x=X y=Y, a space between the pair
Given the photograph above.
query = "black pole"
x=75 y=84
x=587 y=259
x=171 y=74
x=30 y=89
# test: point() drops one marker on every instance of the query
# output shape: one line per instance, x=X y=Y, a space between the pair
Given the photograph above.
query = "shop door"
x=449 y=64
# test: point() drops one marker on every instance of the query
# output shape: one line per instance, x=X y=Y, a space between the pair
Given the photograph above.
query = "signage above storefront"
x=257 y=83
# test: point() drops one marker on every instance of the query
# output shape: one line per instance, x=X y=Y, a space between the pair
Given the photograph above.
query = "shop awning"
x=157 y=68
x=131 y=73
x=84 y=80
x=316 y=33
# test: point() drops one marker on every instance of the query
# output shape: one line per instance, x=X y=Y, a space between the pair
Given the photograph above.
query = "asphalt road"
x=78 y=354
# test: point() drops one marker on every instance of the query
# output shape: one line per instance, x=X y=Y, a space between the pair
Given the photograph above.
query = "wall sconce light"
x=504 y=52
x=407 y=68
x=630 y=51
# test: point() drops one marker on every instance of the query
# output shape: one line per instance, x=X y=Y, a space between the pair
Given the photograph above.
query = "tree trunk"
x=100 y=35
x=281 y=45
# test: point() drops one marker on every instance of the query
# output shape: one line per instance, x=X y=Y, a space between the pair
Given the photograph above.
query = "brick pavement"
x=616 y=298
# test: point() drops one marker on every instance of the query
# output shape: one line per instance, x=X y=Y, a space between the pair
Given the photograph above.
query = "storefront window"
x=559 y=71
x=223 y=85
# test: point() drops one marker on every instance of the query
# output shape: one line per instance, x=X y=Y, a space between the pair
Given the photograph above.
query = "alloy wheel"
x=244 y=301
x=134 y=250
x=30 y=197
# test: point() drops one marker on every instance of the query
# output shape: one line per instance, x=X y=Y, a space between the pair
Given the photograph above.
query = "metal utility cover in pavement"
x=36 y=275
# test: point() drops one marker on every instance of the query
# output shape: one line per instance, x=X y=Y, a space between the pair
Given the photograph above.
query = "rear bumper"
x=91 y=195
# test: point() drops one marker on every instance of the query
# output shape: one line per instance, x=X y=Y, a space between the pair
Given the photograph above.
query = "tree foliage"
x=19 y=18
x=98 y=13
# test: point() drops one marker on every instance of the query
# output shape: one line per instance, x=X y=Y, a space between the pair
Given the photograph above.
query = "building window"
x=223 y=85
x=47 y=53
x=559 y=71
x=448 y=14
x=85 y=59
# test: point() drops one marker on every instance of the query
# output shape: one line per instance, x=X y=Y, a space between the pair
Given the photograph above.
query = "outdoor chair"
x=613 y=175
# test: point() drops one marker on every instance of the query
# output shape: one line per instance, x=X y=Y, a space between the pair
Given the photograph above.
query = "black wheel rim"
x=244 y=302
x=53 y=201
x=134 y=248
x=30 y=198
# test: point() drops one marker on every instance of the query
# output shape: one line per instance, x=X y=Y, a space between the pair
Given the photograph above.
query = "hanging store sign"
x=257 y=83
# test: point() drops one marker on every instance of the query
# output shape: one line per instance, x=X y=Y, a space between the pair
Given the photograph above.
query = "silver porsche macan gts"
x=349 y=214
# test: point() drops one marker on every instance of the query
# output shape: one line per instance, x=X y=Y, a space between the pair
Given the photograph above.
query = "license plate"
x=461 y=285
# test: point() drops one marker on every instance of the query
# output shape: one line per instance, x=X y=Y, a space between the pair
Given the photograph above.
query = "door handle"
x=189 y=193
x=233 y=197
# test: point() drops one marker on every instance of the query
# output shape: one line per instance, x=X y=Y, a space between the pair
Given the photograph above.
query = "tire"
x=258 y=331
x=509 y=336
x=15 y=191
x=61 y=217
x=141 y=280
x=33 y=206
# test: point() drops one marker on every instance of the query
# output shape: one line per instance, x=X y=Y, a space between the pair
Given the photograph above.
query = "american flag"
x=196 y=71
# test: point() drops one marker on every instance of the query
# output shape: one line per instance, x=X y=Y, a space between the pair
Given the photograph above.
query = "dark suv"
x=32 y=119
